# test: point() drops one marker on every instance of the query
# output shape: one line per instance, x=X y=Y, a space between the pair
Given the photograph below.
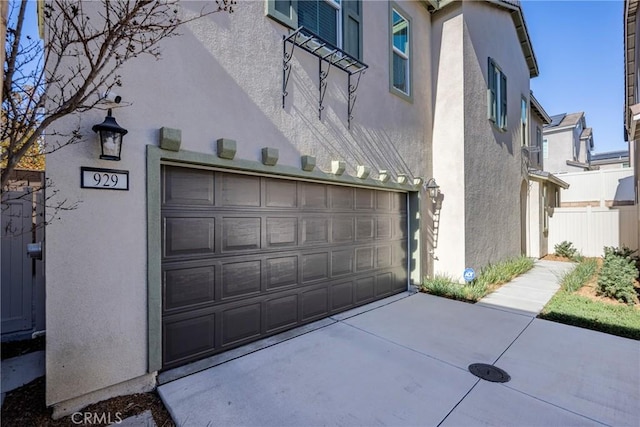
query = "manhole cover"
x=489 y=373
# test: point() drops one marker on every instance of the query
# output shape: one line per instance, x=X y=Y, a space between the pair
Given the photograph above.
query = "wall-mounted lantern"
x=433 y=188
x=110 y=137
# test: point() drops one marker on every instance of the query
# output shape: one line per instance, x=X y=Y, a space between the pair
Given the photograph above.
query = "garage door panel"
x=188 y=236
x=315 y=231
x=188 y=187
x=383 y=200
x=238 y=190
x=342 y=229
x=241 y=323
x=364 y=199
x=281 y=272
x=281 y=232
x=342 y=198
x=241 y=234
x=314 y=196
x=341 y=296
x=383 y=228
x=364 y=258
x=342 y=262
x=188 y=286
x=399 y=202
x=188 y=337
x=399 y=255
x=384 y=284
x=364 y=228
x=383 y=257
x=241 y=278
x=315 y=266
x=315 y=303
x=280 y=313
x=281 y=194
x=268 y=255
x=364 y=290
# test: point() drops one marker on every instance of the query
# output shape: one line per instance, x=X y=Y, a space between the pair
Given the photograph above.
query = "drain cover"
x=489 y=373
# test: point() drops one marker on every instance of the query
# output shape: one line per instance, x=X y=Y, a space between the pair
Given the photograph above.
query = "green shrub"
x=576 y=278
x=616 y=277
x=565 y=249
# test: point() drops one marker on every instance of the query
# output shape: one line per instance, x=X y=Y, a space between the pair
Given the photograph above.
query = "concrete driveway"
x=404 y=362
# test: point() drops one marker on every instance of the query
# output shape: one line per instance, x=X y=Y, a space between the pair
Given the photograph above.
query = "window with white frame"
x=545 y=148
x=400 y=52
x=497 y=95
x=335 y=21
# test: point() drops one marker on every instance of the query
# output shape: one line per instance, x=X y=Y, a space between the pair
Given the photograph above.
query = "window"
x=545 y=148
x=538 y=146
x=321 y=18
x=336 y=21
x=400 y=62
x=497 y=96
x=523 y=121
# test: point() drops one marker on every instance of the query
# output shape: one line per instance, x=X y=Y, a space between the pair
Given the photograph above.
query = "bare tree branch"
x=87 y=42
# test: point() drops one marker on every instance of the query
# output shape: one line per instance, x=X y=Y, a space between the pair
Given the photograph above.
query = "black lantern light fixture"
x=433 y=188
x=111 y=134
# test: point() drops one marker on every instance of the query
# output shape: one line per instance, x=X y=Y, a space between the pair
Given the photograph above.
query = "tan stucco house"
x=261 y=196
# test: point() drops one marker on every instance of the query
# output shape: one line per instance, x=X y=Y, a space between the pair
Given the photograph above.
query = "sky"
x=580 y=51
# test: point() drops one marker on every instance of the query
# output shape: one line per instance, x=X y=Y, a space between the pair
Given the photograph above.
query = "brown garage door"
x=245 y=257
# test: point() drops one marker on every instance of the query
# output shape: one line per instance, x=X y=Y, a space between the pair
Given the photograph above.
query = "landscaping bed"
x=599 y=294
x=490 y=278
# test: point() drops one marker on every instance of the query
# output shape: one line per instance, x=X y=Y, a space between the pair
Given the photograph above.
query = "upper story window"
x=322 y=18
x=497 y=96
x=545 y=148
x=335 y=21
x=524 y=112
x=539 y=146
x=400 y=63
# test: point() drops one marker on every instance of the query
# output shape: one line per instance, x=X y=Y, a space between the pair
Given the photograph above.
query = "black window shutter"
x=352 y=27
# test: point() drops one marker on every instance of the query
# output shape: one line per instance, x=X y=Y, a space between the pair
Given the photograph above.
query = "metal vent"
x=489 y=373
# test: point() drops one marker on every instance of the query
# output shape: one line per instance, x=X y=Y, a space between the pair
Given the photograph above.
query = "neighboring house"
x=544 y=187
x=610 y=160
x=632 y=92
x=261 y=198
x=567 y=143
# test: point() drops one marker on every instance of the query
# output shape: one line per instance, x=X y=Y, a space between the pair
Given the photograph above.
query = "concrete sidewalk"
x=529 y=293
x=405 y=363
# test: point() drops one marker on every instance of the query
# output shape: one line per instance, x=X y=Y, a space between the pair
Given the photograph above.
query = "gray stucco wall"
x=221 y=79
x=493 y=170
x=560 y=150
x=478 y=166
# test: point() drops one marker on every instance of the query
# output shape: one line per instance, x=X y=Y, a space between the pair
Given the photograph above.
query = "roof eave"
x=630 y=15
x=537 y=108
x=548 y=177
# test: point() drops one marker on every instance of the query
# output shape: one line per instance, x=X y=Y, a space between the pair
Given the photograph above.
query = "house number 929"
x=104 y=179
